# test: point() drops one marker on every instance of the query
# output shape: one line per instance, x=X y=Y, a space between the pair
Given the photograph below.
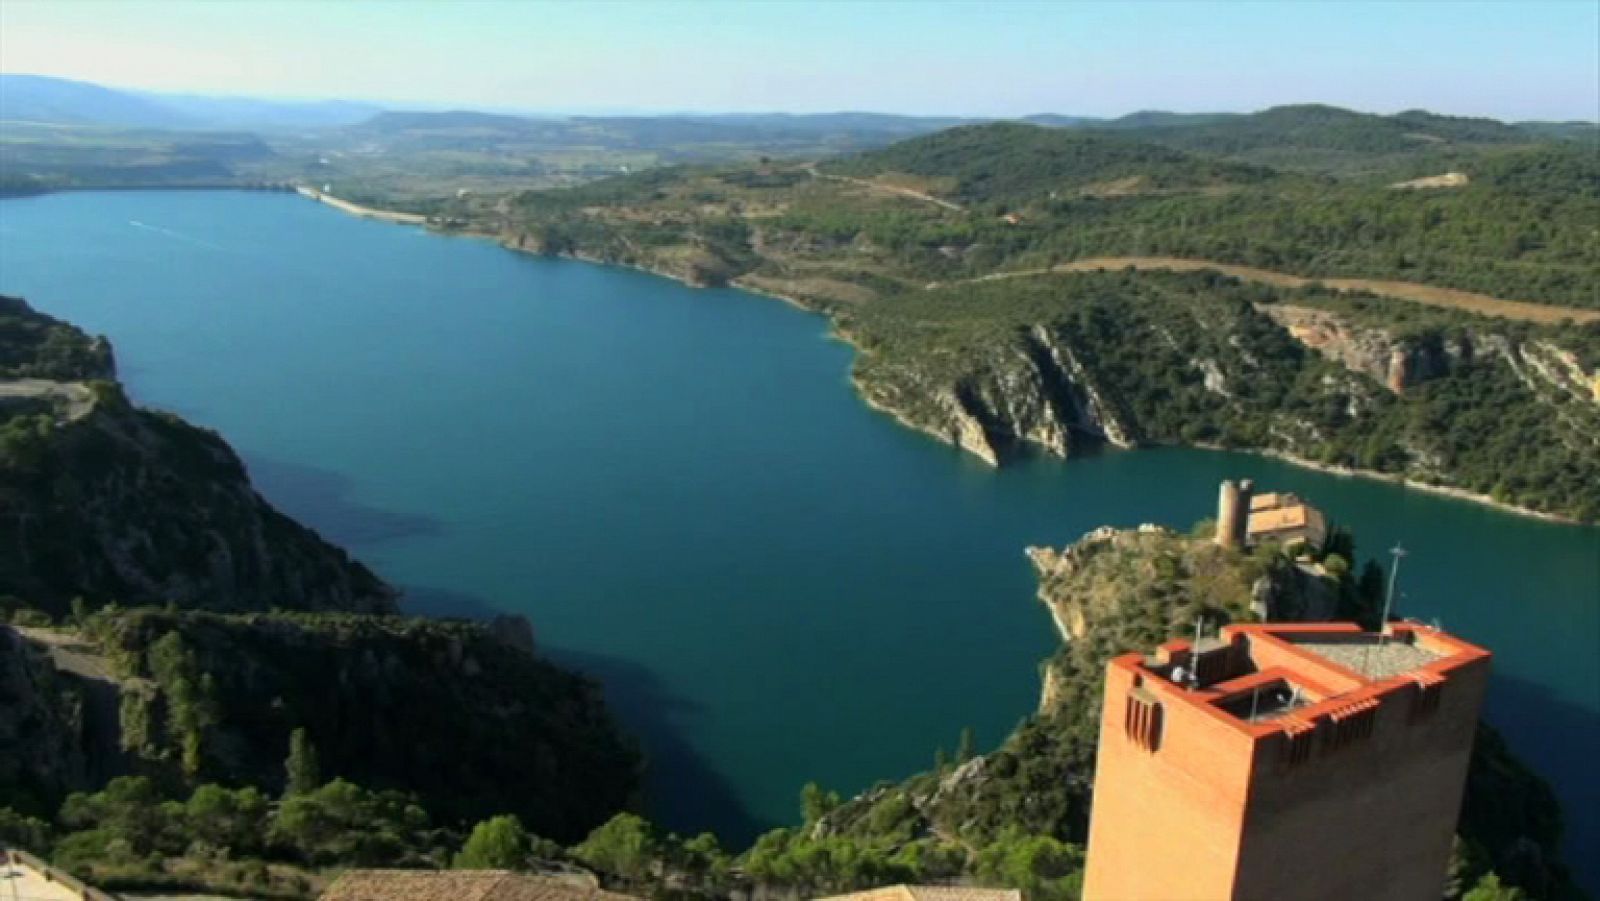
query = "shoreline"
x=356 y=209
x=1460 y=494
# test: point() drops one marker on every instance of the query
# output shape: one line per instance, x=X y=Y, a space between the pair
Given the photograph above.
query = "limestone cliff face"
x=1163 y=362
x=1402 y=363
x=1031 y=391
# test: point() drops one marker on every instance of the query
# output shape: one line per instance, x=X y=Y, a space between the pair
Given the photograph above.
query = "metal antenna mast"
x=1194 y=653
x=1399 y=553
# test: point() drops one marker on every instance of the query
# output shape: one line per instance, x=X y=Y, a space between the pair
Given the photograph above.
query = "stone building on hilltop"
x=1245 y=518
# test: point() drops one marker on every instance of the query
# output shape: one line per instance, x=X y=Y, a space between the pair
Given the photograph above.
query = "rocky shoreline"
x=1444 y=490
x=982 y=450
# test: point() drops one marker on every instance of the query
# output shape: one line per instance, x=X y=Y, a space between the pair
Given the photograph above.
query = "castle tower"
x=1285 y=761
x=1233 y=512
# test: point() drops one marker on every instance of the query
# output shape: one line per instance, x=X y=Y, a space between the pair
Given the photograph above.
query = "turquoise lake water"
x=681 y=491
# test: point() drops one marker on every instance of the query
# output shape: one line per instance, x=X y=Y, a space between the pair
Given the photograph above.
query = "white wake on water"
x=177 y=236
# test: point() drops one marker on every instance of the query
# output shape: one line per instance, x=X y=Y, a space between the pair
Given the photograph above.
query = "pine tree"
x=964 y=748
x=498 y=843
x=303 y=769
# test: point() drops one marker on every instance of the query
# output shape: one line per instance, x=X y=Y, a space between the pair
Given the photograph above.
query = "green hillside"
x=1009 y=161
x=1318 y=127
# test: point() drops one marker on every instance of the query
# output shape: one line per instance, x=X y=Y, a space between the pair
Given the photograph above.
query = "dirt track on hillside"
x=1433 y=296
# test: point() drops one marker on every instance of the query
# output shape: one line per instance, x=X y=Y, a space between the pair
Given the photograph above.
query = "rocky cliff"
x=102 y=500
x=1055 y=364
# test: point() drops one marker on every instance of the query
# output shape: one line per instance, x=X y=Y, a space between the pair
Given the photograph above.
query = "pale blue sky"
x=1506 y=59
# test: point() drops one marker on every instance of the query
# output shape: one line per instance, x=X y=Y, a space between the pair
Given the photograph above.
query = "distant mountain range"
x=61 y=101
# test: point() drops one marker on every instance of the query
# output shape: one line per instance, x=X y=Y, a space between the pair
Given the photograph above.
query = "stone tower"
x=1233 y=512
x=1284 y=761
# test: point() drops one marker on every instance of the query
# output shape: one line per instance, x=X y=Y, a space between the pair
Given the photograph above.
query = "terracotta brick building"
x=1284 y=761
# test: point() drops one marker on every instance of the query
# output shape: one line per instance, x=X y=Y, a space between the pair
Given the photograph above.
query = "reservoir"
x=680 y=490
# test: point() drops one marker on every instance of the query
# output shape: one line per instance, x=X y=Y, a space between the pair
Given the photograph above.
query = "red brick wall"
x=1373 y=819
x=1218 y=810
x=1165 y=824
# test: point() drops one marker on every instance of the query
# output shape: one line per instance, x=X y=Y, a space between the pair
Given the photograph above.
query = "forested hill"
x=109 y=503
x=1459 y=347
x=1315 y=127
x=1315 y=138
x=1009 y=161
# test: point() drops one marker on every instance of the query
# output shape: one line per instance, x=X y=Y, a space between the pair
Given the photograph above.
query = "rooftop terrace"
x=1269 y=676
x=1372 y=656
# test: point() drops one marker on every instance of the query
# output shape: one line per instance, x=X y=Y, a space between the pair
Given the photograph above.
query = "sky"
x=1513 y=60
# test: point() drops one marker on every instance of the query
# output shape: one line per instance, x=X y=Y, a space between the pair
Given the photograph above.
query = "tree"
x=235 y=820
x=1490 y=889
x=342 y=823
x=702 y=859
x=131 y=810
x=627 y=845
x=305 y=773
x=498 y=843
x=815 y=803
x=964 y=747
x=22 y=831
x=191 y=695
x=1041 y=866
